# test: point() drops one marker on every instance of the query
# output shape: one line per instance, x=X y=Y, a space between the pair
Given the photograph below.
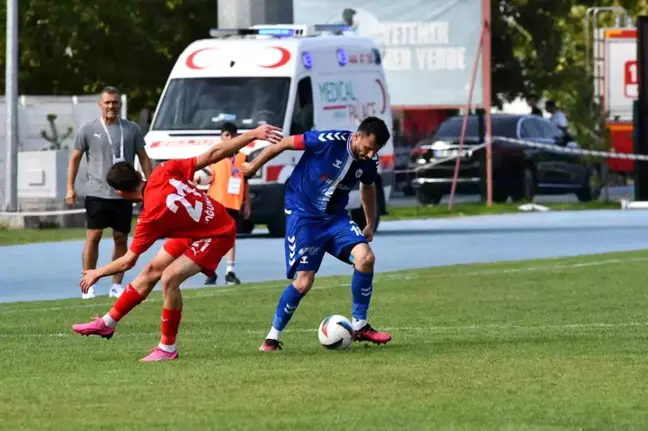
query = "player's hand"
x=268 y=132
x=70 y=196
x=90 y=277
x=368 y=232
x=246 y=211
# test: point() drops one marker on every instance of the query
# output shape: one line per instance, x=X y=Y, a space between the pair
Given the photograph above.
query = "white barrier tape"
x=571 y=150
x=547 y=147
x=439 y=161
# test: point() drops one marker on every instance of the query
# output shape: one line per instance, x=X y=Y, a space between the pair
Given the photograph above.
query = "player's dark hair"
x=229 y=127
x=109 y=90
x=377 y=127
x=122 y=176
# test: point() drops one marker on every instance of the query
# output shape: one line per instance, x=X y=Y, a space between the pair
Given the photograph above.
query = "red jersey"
x=174 y=208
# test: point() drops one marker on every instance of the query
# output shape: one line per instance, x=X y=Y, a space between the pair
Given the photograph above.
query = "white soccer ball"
x=203 y=178
x=336 y=333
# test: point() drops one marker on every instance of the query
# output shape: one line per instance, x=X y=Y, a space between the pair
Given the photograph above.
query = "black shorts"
x=233 y=213
x=116 y=214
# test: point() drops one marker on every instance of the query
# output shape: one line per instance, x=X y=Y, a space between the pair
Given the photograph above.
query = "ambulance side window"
x=302 y=119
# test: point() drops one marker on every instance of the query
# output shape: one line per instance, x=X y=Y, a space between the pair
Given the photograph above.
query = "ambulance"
x=296 y=77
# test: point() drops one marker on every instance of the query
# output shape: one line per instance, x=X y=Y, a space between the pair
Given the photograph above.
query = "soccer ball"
x=336 y=333
x=203 y=178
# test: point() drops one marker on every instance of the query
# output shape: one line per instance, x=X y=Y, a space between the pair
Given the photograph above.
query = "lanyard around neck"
x=121 y=139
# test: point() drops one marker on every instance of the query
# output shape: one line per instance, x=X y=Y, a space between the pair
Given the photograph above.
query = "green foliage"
x=539 y=46
x=77 y=47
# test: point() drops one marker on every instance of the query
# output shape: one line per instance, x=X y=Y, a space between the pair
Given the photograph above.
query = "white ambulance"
x=296 y=77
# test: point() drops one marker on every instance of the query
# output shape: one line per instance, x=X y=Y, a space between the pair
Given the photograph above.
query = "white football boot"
x=115 y=291
x=90 y=294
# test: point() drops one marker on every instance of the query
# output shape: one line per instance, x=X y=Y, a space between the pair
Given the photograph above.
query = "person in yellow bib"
x=229 y=188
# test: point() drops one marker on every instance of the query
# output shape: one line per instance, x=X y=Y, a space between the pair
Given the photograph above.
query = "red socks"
x=128 y=300
x=131 y=299
x=170 y=324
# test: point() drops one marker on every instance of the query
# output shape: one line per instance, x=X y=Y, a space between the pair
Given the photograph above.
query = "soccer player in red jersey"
x=199 y=232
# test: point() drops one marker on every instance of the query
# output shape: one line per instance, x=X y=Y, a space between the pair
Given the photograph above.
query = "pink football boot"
x=158 y=354
x=96 y=327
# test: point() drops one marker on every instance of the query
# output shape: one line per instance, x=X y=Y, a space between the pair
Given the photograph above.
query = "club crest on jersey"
x=358 y=173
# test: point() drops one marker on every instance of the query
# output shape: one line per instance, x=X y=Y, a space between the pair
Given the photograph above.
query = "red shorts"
x=206 y=253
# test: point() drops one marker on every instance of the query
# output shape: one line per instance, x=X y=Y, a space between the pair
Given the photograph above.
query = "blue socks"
x=287 y=305
x=361 y=289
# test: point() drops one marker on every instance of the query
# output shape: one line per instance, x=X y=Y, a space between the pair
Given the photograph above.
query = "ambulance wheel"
x=244 y=227
x=277 y=226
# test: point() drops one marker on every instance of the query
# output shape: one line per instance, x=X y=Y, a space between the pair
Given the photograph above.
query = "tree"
x=539 y=46
x=77 y=47
x=529 y=41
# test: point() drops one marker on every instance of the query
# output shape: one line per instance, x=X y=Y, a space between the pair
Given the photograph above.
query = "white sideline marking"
x=42 y=213
x=199 y=295
x=460 y=328
x=487 y=326
x=379 y=277
x=553 y=267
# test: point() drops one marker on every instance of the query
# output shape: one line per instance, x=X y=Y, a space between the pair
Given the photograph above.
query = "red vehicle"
x=614 y=69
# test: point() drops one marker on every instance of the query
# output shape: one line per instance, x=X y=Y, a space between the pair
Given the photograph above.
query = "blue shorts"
x=307 y=239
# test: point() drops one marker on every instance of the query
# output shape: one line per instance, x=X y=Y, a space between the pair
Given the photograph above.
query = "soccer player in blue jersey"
x=317 y=223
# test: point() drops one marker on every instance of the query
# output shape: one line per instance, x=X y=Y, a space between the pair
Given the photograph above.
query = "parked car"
x=403 y=178
x=518 y=171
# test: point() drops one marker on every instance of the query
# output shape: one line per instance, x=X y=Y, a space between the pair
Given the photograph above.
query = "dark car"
x=518 y=171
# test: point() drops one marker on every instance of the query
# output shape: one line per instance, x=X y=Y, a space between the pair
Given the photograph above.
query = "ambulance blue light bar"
x=276 y=32
x=279 y=30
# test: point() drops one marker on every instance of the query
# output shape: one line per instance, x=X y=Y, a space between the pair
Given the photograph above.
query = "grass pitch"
x=557 y=344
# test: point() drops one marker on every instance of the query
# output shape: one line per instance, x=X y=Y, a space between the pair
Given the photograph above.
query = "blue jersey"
x=326 y=173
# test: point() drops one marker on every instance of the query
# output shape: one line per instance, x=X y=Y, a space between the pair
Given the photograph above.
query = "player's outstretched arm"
x=269 y=153
x=225 y=149
x=122 y=264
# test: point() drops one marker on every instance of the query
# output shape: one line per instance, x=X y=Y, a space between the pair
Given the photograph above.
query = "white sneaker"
x=115 y=291
x=90 y=294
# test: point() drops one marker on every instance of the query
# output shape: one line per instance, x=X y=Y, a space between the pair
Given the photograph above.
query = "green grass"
x=461 y=210
x=27 y=236
x=541 y=345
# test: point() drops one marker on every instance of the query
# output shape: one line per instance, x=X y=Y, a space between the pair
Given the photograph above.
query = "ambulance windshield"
x=207 y=103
